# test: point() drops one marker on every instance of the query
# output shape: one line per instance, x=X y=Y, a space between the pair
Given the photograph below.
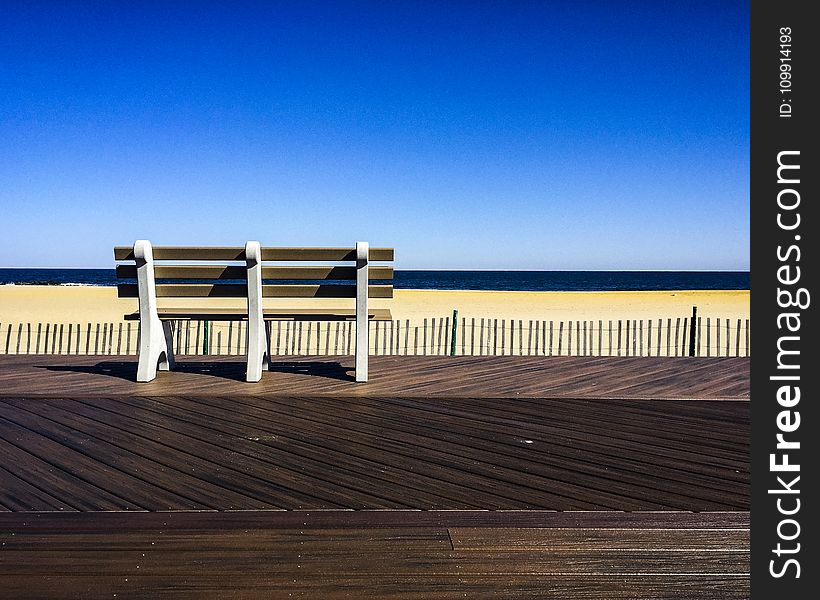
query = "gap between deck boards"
x=330 y=519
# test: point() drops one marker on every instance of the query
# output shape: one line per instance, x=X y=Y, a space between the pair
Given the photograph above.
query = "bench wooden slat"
x=186 y=272
x=331 y=254
x=215 y=272
x=238 y=254
x=238 y=290
x=185 y=253
x=272 y=314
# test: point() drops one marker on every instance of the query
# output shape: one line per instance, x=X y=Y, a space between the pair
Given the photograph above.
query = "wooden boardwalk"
x=443 y=477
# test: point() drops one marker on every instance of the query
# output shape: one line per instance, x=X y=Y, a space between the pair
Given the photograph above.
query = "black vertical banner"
x=785 y=368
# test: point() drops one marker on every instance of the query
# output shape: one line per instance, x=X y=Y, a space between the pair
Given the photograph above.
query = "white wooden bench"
x=234 y=272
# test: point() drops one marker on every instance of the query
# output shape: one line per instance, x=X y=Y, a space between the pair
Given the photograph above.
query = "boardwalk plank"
x=414 y=562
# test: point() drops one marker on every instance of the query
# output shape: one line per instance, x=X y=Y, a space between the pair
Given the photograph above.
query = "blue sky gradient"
x=476 y=135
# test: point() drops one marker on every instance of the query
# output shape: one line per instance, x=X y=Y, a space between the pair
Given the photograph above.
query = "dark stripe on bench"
x=238 y=272
x=231 y=290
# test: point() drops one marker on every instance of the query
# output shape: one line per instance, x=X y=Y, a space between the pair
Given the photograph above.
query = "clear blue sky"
x=525 y=135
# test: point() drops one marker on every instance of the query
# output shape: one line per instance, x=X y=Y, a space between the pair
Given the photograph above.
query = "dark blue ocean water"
x=560 y=281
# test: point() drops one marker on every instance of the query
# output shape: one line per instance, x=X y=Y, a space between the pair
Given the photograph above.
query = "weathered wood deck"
x=442 y=477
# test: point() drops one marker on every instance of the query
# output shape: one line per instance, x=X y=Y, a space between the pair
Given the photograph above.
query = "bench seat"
x=269 y=314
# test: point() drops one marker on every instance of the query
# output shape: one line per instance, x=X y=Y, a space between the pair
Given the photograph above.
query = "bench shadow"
x=329 y=369
x=234 y=371
x=121 y=370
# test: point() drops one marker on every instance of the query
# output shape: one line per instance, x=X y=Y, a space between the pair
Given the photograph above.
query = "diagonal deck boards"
x=423 y=444
x=296 y=453
x=390 y=376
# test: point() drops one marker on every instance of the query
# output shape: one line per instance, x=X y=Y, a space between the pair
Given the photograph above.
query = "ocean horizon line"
x=486 y=280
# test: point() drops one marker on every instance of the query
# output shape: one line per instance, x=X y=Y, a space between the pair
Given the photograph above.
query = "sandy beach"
x=90 y=304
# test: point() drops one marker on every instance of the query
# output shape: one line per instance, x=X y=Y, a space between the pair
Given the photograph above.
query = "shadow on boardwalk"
x=224 y=369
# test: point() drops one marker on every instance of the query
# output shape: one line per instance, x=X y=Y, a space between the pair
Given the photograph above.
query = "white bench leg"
x=362 y=327
x=258 y=360
x=156 y=337
x=167 y=360
x=156 y=349
x=258 y=351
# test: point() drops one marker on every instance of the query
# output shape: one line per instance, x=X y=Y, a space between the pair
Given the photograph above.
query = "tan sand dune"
x=84 y=304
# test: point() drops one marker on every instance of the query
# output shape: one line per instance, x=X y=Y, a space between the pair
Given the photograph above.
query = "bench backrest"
x=220 y=278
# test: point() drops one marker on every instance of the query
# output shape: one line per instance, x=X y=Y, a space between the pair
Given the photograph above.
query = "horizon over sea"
x=541 y=281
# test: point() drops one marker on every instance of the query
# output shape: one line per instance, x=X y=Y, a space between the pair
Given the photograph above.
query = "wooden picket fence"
x=430 y=336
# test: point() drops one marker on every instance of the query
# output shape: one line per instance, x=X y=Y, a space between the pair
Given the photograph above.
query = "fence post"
x=205 y=339
x=453 y=336
x=693 y=331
